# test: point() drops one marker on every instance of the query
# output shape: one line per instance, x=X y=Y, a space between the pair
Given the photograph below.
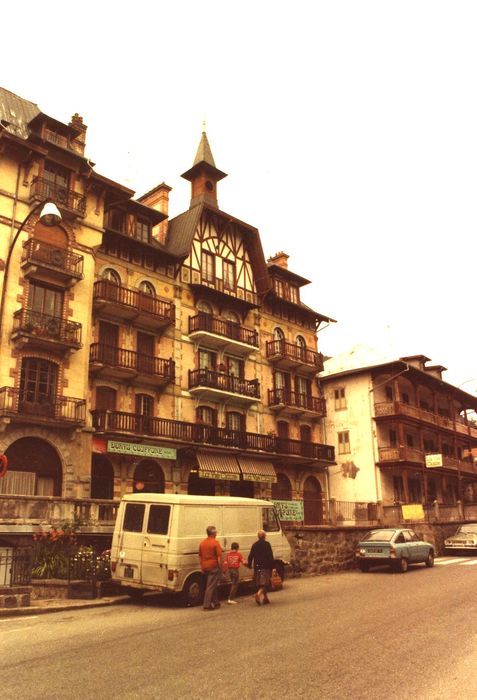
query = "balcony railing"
x=230 y=289
x=399 y=408
x=61 y=409
x=63 y=197
x=135 y=301
x=195 y=433
x=40 y=253
x=44 y=327
x=218 y=326
x=285 y=397
x=411 y=454
x=223 y=382
x=295 y=354
x=131 y=360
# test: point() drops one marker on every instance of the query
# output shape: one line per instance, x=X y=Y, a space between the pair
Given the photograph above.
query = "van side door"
x=155 y=545
x=131 y=543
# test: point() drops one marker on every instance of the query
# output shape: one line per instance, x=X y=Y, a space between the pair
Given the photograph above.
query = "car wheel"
x=430 y=559
x=364 y=566
x=193 y=592
x=401 y=566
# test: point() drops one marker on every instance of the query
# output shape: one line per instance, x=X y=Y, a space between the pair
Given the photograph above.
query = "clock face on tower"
x=209 y=185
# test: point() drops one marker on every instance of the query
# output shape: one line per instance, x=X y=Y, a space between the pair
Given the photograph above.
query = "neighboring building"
x=142 y=354
x=384 y=417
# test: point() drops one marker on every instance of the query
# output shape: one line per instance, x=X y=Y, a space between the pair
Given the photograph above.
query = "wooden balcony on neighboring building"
x=414 y=456
x=396 y=409
x=293 y=403
x=68 y=201
x=36 y=330
x=61 y=411
x=290 y=356
x=120 y=363
x=222 y=334
x=208 y=383
x=119 y=302
x=58 y=263
x=182 y=433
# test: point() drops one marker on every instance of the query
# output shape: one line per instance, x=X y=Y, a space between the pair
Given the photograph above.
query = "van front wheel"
x=193 y=592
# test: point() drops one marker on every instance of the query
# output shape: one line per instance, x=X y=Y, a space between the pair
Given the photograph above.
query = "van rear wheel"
x=193 y=592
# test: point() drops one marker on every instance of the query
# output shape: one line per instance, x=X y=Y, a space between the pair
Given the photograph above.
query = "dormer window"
x=143 y=230
x=294 y=294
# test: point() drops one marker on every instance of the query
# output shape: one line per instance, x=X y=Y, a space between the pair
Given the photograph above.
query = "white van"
x=156 y=539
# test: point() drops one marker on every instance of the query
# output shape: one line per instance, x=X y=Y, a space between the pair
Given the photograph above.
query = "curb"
x=61 y=607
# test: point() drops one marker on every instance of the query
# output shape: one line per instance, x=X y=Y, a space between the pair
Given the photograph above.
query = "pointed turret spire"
x=204 y=175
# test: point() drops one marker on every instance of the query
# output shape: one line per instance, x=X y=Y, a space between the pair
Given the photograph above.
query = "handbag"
x=275 y=581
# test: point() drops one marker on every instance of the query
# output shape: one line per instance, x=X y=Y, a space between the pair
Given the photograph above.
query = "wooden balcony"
x=397 y=409
x=415 y=456
x=119 y=363
x=212 y=385
x=61 y=411
x=119 y=302
x=36 y=330
x=68 y=201
x=181 y=433
x=289 y=356
x=27 y=513
x=292 y=403
x=58 y=263
x=222 y=334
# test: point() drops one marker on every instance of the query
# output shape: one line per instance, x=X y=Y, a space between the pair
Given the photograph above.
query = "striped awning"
x=213 y=465
x=257 y=470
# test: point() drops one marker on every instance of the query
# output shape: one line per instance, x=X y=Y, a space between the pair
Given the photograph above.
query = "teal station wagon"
x=397 y=547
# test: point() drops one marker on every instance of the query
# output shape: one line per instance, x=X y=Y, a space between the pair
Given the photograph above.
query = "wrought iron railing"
x=15 y=566
x=219 y=326
x=296 y=353
x=135 y=299
x=182 y=431
x=42 y=188
x=50 y=327
x=129 y=359
x=62 y=409
x=43 y=253
x=224 y=382
x=285 y=397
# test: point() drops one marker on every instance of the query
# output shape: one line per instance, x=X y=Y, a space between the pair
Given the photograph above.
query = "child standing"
x=232 y=562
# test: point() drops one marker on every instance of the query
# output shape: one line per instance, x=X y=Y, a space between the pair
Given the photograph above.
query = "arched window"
x=301 y=347
x=147 y=288
x=204 y=307
x=231 y=316
x=281 y=491
x=34 y=468
x=313 y=501
x=148 y=477
x=278 y=334
x=111 y=275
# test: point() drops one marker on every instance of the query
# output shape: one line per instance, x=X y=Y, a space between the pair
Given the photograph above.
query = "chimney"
x=158 y=199
x=78 y=132
x=280 y=259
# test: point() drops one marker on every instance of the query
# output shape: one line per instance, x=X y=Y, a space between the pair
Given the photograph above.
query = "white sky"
x=348 y=130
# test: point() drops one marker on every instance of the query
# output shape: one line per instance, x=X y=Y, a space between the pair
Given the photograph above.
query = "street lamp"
x=50 y=215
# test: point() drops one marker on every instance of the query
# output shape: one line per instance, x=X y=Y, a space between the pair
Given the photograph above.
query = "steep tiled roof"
x=181 y=231
x=204 y=152
x=16 y=113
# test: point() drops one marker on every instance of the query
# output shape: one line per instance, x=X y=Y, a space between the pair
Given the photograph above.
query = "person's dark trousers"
x=211 y=596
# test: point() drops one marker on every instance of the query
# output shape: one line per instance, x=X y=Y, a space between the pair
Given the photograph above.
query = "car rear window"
x=158 y=522
x=133 y=517
x=379 y=536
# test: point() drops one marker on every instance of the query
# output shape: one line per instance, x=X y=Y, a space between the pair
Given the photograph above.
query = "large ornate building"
x=140 y=353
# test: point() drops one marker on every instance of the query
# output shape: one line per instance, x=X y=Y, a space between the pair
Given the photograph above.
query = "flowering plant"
x=51 y=551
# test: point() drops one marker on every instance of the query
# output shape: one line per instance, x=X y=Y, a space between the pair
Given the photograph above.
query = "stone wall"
x=322 y=550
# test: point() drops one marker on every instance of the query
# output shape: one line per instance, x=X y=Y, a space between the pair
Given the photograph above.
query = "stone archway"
x=281 y=490
x=102 y=478
x=313 y=501
x=148 y=477
x=34 y=468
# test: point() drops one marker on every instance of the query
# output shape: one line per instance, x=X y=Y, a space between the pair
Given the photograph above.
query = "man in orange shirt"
x=210 y=554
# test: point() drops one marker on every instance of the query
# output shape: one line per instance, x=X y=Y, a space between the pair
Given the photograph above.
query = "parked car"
x=397 y=547
x=463 y=541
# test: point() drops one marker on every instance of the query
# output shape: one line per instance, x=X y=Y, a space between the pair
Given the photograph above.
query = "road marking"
x=444 y=562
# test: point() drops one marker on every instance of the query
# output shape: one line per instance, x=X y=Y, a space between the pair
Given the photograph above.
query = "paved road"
x=349 y=635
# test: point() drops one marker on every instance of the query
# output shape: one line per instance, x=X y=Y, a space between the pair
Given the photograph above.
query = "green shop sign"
x=289 y=510
x=137 y=450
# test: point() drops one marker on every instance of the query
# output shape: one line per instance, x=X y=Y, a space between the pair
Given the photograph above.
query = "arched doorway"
x=148 y=477
x=313 y=501
x=102 y=478
x=281 y=490
x=200 y=487
x=34 y=468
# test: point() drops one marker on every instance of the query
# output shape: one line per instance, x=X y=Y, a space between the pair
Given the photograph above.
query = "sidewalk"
x=41 y=606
